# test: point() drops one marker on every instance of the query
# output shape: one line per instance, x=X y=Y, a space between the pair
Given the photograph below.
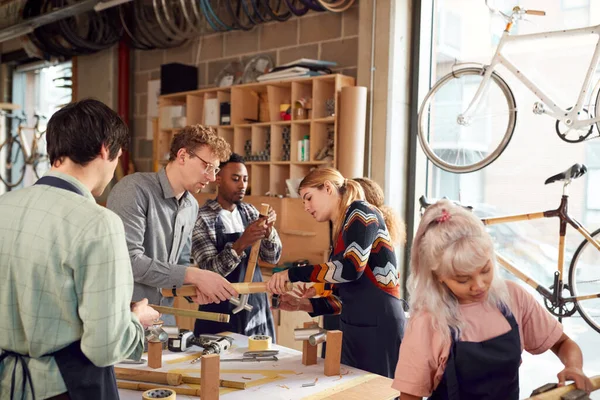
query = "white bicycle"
x=469 y=116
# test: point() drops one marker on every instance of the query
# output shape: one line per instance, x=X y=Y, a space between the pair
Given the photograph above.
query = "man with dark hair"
x=65 y=275
x=225 y=231
x=159 y=212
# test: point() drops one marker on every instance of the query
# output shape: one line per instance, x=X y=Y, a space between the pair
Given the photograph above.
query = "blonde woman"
x=468 y=327
x=362 y=266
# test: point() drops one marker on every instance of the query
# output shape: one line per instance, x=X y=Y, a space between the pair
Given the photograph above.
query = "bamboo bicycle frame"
x=569 y=117
x=562 y=213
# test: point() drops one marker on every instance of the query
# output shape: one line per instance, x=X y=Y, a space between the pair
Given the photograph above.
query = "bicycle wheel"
x=12 y=162
x=466 y=145
x=41 y=165
x=584 y=279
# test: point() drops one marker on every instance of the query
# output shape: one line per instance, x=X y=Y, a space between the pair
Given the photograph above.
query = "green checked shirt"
x=65 y=275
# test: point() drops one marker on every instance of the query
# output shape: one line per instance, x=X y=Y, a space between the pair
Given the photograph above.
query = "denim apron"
x=259 y=321
x=487 y=370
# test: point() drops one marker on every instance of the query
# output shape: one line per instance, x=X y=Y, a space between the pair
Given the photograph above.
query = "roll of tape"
x=160 y=393
x=259 y=343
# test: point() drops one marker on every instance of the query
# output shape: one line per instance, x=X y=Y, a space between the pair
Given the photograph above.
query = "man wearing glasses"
x=159 y=213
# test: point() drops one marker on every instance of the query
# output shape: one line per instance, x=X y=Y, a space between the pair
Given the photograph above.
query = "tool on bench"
x=155 y=332
x=212 y=344
x=250 y=359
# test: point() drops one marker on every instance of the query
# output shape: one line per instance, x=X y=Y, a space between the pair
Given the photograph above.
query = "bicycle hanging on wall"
x=16 y=153
x=463 y=135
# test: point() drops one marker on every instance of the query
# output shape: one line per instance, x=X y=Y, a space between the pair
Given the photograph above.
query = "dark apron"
x=259 y=301
x=485 y=370
x=373 y=325
x=83 y=380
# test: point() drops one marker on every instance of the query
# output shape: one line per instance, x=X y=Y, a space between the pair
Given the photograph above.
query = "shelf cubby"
x=281 y=142
x=278 y=175
x=301 y=90
x=319 y=139
x=261 y=142
x=278 y=95
x=244 y=105
x=194 y=109
x=240 y=136
x=297 y=133
x=259 y=180
x=323 y=90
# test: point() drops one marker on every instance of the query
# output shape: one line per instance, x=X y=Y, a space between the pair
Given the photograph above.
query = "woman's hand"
x=305 y=291
x=276 y=284
x=575 y=374
x=287 y=302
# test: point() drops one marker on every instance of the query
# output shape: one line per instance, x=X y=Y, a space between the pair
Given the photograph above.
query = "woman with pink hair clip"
x=468 y=326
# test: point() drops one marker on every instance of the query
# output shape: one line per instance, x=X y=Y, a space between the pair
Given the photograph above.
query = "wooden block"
x=210 y=376
x=333 y=353
x=309 y=353
x=154 y=354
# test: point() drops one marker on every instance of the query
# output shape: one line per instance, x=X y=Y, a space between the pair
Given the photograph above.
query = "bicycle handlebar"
x=536 y=12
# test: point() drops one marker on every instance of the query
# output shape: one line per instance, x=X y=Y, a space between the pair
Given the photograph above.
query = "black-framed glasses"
x=210 y=168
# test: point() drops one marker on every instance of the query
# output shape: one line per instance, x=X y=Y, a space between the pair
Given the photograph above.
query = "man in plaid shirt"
x=224 y=233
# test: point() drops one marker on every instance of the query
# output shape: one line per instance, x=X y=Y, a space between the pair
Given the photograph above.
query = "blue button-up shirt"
x=158 y=228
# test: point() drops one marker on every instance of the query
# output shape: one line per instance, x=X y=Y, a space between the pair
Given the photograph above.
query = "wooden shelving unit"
x=255 y=117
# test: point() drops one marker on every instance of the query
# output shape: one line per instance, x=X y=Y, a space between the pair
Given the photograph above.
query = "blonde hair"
x=450 y=241
x=374 y=196
x=193 y=136
x=348 y=189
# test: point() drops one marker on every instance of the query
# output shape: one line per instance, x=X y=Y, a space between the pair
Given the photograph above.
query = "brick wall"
x=323 y=36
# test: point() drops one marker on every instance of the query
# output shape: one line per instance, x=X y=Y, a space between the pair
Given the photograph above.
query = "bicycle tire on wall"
x=587 y=312
x=17 y=158
x=472 y=152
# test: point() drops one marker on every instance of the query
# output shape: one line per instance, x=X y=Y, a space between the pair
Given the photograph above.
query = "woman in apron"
x=468 y=327
x=362 y=267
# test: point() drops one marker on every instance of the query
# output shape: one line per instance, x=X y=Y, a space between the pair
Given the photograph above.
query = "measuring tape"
x=160 y=393
x=259 y=342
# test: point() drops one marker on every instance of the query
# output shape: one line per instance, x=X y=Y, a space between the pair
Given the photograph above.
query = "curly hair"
x=374 y=195
x=193 y=136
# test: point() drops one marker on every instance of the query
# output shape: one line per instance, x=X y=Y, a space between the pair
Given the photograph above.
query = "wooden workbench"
x=282 y=379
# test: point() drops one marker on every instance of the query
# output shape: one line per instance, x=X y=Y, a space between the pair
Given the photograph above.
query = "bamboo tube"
x=223 y=382
x=558 y=392
x=165 y=378
x=241 y=288
x=148 y=386
x=205 y=315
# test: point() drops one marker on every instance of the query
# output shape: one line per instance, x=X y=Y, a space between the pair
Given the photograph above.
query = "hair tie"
x=444 y=217
x=345 y=181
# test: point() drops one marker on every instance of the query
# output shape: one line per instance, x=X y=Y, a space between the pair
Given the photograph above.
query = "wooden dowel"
x=253 y=258
x=148 y=386
x=241 y=288
x=165 y=378
x=222 y=382
x=204 y=315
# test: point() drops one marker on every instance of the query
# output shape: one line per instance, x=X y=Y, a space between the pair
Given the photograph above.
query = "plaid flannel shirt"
x=204 y=240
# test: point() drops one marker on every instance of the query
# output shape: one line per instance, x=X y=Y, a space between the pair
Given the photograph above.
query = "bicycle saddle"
x=574 y=172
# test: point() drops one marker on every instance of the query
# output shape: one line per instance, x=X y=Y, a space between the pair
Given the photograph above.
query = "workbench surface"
x=273 y=380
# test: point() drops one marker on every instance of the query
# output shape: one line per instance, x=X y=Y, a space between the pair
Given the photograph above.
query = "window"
x=514 y=183
x=592 y=178
x=41 y=90
x=576 y=13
